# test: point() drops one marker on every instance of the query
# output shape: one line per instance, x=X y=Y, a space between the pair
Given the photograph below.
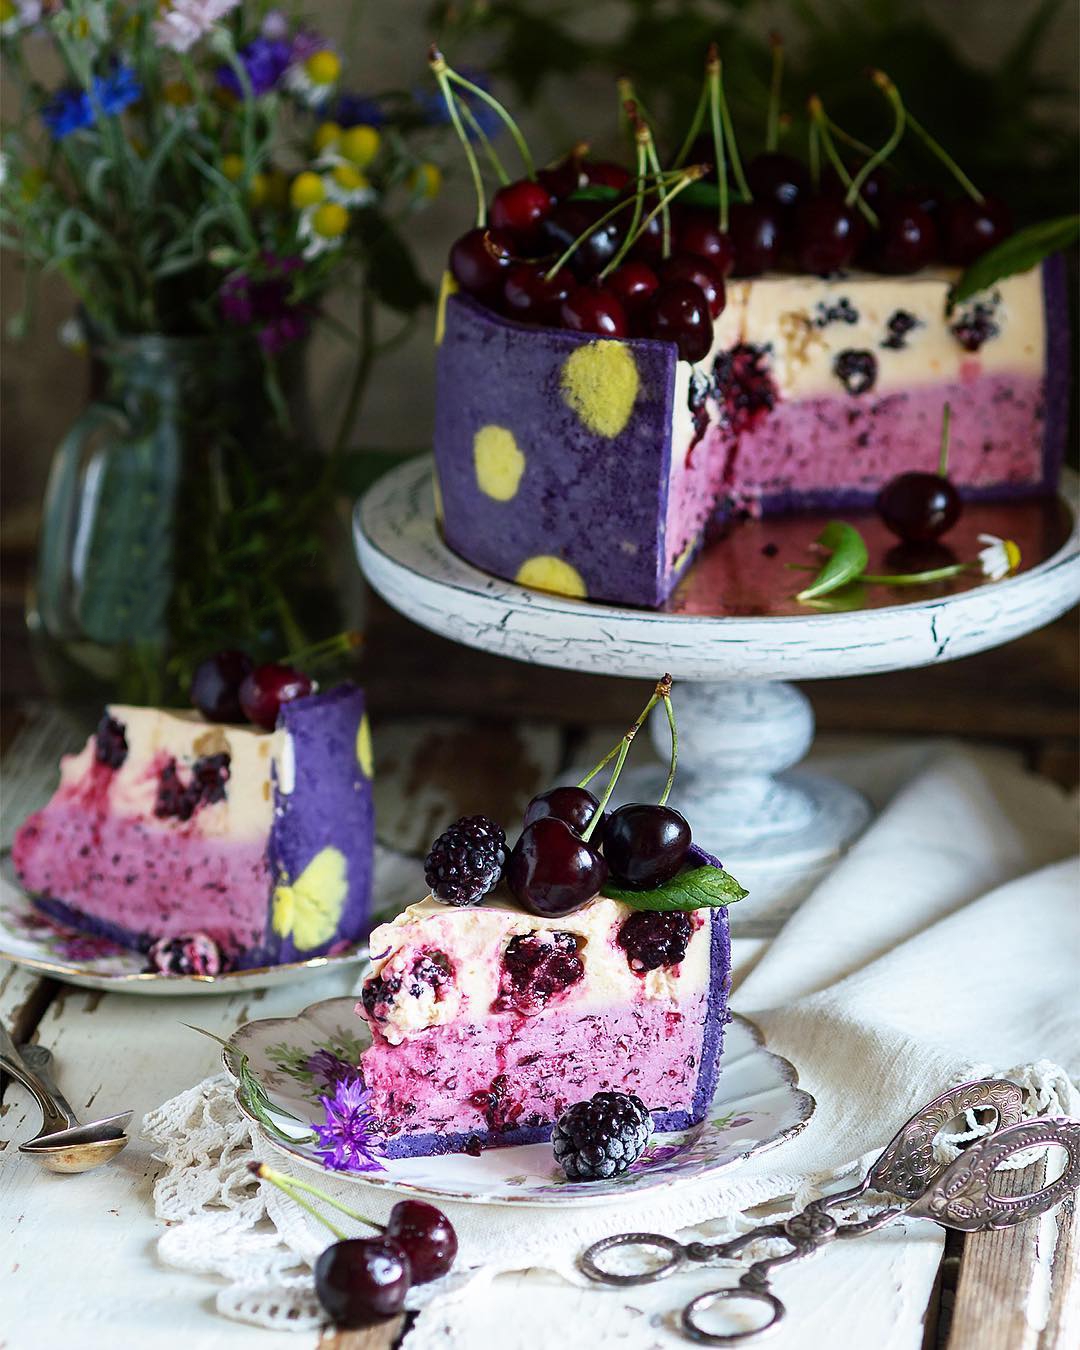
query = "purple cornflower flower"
x=306 y=43
x=345 y=1140
x=263 y=301
x=355 y=110
x=265 y=61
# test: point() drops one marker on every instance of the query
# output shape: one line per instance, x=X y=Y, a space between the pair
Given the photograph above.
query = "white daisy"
x=313 y=80
x=15 y=15
x=343 y=182
x=72 y=335
x=322 y=228
x=1000 y=558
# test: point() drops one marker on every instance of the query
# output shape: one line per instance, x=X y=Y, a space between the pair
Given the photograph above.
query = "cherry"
x=633 y=283
x=574 y=805
x=605 y=173
x=427 y=1236
x=561 y=179
x=679 y=312
x=698 y=232
x=568 y=222
x=926 y=195
x=531 y=297
x=755 y=238
x=907 y=239
x=267 y=688
x=919 y=507
x=522 y=206
x=690 y=267
x=649 y=245
x=645 y=845
x=361 y=1281
x=970 y=228
x=778 y=180
x=552 y=871
x=479 y=261
x=215 y=686
x=826 y=236
x=594 y=309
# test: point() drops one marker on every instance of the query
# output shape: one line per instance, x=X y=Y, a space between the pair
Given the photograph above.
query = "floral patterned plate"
x=292 y=1062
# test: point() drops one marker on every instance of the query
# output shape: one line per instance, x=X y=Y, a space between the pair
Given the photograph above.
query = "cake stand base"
x=778 y=832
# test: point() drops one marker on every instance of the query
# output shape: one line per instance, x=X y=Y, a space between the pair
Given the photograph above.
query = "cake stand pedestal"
x=742 y=726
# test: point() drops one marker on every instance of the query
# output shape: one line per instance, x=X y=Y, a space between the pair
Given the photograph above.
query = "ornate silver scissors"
x=955 y=1195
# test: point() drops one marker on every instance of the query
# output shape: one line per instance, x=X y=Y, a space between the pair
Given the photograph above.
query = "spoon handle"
x=39 y=1059
x=53 y=1117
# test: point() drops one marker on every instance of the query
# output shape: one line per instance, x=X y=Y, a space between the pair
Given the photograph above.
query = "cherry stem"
x=317 y=652
x=814 y=154
x=696 y=123
x=943 y=454
x=712 y=75
x=662 y=690
x=847 y=139
x=638 y=118
x=494 y=104
x=880 y=156
x=288 y=1184
x=732 y=144
x=665 y=214
x=669 y=709
x=569 y=252
x=936 y=148
x=817 y=115
x=440 y=70
x=641 y=136
x=483 y=138
x=772 y=117
x=278 y=1180
x=686 y=177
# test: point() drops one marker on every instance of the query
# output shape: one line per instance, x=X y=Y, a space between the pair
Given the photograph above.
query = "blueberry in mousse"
x=627 y=360
x=493 y=1009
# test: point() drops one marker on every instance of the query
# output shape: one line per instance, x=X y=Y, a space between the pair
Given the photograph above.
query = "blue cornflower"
x=68 y=110
x=345 y=1139
x=117 y=90
x=354 y=110
x=265 y=60
x=433 y=108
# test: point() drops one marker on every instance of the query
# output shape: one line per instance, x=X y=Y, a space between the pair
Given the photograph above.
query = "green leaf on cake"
x=847 y=560
x=1018 y=253
x=698 y=888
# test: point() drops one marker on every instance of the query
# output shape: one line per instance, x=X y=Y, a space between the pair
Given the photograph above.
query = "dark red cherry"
x=755 y=238
x=574 y=805
x=919 y=507
x=215 y=686
x=691 y=267
x=427 y=1236
x=265 y=690
x=927 y=195
x=520 y=206
x=906 y=241
x=778 y=180
x=605 y=173
x=594 y=309
x=826 y=236
x=568 y=222
x=679 y=312
x=361 y=1281
x=970 y=228
x=552 y=871
x=530 y=296
x=633 y=282
x=698 y=232
x=561 y=179
x=645 y=845
x=649 y=244
x=479 y=262
x=875 y=191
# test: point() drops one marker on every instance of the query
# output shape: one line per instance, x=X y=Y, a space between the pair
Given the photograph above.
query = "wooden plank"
x=383 y=1337
x=1062 y=1330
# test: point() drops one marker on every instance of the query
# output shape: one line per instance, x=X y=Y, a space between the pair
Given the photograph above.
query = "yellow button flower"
x=326 y=135
x=348 y=178
x=307 y=190
x=7 y=10
x=426 y=180
x=277 y=188
x=177 y=93
x=259 y=189
x=323 y=67
x=232 y=166
x=330 y=220
x=359 y=145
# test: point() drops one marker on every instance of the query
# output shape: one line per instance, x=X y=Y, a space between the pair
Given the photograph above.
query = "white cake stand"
x=742 y=726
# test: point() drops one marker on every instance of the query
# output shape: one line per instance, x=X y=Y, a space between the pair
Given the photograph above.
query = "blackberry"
x=856 y=370
x=651 y=939
x=110 y=742
x=976 y=326
x=466 y=861
x=900 y=324
x=536 y=966
x=600 y=1138
x=191 y=954
x=744 y=386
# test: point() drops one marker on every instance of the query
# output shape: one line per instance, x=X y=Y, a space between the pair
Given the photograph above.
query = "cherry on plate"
x=919 y=507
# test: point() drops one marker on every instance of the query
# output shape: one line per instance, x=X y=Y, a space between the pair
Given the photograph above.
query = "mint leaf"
x=1019 y=252
x=698 y=888
x=847 y=560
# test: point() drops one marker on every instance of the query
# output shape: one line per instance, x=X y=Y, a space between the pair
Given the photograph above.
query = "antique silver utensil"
x=955 y=1195
x=62 y=1144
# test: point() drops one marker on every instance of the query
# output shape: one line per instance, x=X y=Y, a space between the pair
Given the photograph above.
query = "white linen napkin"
x=945 y=946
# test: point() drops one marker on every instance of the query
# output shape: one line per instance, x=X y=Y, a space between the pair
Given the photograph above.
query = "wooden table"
x=77 y=1263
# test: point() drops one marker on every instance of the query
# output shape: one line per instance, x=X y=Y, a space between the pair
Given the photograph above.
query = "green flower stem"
x=365 y=360
x=943 y=453
x=943 y=155
x=817 y=116
x=696 y=123
x=482 y=136
x=496 y=107
x=879 y=156
x=918 y=578
x=316 y=653
x=669 y=709
x=772 y=116
x=278 y=1178
x=440 y=70
x=712 y=76
x=284 y=1185
x=662 y=690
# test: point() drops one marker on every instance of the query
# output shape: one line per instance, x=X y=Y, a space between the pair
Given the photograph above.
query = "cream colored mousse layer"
x=474 y=938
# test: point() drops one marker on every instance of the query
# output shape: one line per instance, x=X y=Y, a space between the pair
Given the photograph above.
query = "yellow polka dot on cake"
x=600 y=382
x=498 y=461
x=364 y=755
x=548 y=573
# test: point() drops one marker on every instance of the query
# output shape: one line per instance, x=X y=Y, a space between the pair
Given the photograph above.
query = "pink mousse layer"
x=512 y=1072
x=164 y=880
x=854 y=445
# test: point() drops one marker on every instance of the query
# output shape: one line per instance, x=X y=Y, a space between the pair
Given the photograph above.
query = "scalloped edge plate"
x=758 y=1104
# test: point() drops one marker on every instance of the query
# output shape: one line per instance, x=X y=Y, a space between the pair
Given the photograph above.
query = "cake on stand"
x=734 y=633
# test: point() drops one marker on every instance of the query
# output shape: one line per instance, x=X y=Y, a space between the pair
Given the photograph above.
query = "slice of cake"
x=488 y=1021
x=212 y=846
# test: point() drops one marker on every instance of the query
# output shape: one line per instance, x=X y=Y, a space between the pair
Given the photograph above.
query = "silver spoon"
x=62 y=1144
